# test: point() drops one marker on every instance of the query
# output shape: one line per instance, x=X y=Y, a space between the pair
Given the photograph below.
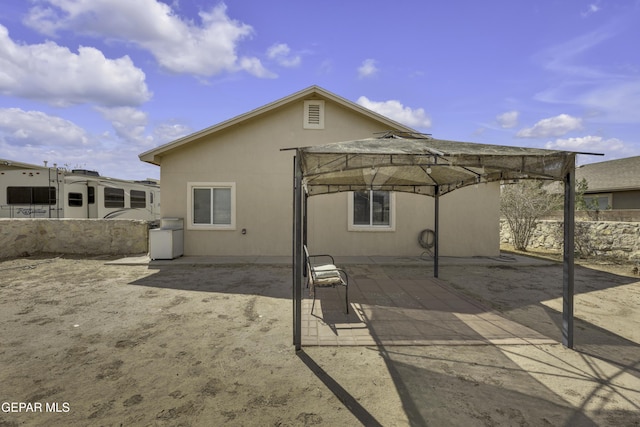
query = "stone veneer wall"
x=594 y=238
x=19 y=237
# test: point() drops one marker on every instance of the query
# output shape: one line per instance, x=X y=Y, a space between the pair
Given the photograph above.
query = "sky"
x=92 y=84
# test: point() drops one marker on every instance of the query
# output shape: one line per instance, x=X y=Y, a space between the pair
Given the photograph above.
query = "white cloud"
x=592 y=8
x=21 y=128
x=281 y=53
x=590 y=143
x=508 y=120
x=54 y=74
x=129 y=123
x=609 y=91
x=552 y=126
x=203 y=48
x=367 y=69
x=254 y=66
x=34 y=136
x=615 y=103
x=169 y=131
x=565 y=58
x=612 y=148
x=396 y=111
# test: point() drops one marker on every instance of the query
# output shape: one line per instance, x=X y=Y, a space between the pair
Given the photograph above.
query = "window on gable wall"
x=211 y=206
x=371 y=211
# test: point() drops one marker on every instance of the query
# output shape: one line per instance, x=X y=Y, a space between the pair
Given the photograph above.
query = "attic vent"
x=313 y=115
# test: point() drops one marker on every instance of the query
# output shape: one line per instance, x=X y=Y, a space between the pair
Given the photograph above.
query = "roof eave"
x=154 y=156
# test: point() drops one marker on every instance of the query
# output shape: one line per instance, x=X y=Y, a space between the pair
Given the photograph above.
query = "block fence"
x=19 y=237
x=594 y=238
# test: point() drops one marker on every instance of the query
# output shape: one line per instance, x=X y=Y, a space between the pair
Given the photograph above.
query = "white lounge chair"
x=325 y=276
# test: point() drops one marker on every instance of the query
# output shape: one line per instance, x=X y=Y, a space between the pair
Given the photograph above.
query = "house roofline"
x=153 y=156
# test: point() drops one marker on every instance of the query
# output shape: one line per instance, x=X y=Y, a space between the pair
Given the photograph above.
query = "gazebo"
x=424 y=165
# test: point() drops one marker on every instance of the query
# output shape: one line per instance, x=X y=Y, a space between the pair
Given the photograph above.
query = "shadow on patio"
x=405 y=311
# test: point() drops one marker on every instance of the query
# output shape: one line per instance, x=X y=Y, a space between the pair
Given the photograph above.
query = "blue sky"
x=94 y=83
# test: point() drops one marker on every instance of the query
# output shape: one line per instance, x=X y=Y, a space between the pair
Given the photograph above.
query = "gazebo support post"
x=568 y=256
x=305 y=204
x=293 y=251
x=297 y=255
x=436 y=230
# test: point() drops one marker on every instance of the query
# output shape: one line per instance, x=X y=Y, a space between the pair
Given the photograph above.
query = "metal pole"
x=293 y=251
x=568 y=257
x=305 y=205
x=436 y=231
x=298 y=260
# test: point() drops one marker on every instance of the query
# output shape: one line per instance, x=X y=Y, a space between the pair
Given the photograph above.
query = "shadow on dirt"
x=428 y=378
x=263 y=280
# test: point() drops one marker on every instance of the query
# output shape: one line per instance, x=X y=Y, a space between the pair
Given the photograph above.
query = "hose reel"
x=427 y=240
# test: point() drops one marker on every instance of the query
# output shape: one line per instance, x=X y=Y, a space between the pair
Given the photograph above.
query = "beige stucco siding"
x=469 y=225
x=248 y=154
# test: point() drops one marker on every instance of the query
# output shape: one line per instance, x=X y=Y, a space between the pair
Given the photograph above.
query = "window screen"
x=371 y=208
x=212 y=206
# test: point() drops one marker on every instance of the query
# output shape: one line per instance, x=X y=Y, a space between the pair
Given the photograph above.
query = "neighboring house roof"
x=153 y=156
x=612 y=175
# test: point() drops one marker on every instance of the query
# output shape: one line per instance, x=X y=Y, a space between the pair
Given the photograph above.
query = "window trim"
x=392 y=214
x=218 y=227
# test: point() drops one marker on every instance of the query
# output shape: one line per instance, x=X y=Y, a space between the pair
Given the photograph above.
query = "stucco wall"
x=468 y=225
x=73 y=236
x=249 y=156
x=594 y=238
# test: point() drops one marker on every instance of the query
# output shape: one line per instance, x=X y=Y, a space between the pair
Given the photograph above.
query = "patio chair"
x=325 y=276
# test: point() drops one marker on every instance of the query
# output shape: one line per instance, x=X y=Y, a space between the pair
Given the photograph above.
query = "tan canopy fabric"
x=422 y=165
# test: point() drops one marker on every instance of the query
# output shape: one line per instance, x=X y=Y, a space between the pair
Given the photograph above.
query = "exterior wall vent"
x=313 y=115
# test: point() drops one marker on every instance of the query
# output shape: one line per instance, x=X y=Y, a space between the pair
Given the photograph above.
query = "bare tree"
x=523 y=204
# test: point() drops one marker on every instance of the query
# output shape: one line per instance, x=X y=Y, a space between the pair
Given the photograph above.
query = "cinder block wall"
x=73 y=236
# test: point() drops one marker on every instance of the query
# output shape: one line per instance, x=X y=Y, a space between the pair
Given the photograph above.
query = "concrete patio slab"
x=389 y=311
x=503 y=259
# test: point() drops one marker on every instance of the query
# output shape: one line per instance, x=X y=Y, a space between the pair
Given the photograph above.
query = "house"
x=232 y=184
x=614 y=184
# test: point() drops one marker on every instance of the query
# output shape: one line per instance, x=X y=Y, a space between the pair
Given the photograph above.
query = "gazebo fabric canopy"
x=422 y=165
x=433 y=167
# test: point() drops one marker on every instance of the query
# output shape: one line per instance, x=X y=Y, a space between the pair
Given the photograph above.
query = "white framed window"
x=371 y=210
x=313 y=115
x=211 y=206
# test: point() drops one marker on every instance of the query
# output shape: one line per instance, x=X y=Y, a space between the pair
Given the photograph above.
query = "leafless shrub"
x=523 y=204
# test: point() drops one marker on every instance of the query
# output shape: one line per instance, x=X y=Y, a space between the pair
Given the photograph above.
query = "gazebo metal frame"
x=420 y=164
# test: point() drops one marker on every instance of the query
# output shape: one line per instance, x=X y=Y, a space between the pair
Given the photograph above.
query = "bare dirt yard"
x=85 y=343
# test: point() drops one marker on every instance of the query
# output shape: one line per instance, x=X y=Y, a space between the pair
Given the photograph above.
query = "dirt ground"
x=85 y=343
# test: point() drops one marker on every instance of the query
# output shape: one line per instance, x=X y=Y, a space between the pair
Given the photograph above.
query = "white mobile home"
x=30 y=191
